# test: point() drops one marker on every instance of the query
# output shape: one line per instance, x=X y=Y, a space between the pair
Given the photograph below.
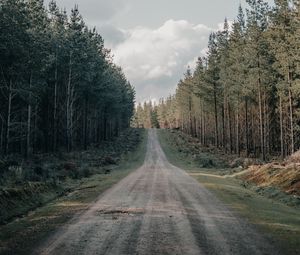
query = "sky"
x=154 y=41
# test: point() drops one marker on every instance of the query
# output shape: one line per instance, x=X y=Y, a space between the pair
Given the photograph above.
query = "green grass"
x=276 y=219
x=190 y=156
x=23 y=235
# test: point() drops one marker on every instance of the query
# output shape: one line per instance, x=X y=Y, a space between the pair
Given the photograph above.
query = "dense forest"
x=244 y=95
x=59 y=86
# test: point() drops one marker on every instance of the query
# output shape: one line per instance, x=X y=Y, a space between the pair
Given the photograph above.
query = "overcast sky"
x=155 y=40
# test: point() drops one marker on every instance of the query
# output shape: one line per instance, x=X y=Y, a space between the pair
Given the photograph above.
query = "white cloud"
x=155 y=59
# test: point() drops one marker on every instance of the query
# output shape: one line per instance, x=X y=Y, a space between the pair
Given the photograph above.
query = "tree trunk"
x=223 y=128
x=267 y=127
x=190 y=117
x=195 y=127
x=216 y=117
x=265 y=121
x=29 y=111
x=35 y=138
x=85 y=122
x=69 y=136
x=281 y=128
x=8 y=118
x=247 y=126
x=105 y=128
x=291 y=114
x=55 y=105
x=261 y=125
x=2 y=136
x=230 y=128
x=237 y=132
x=200 y=122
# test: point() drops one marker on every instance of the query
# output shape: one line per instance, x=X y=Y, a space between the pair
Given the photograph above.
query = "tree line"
x=59 y=86
x=244 y=95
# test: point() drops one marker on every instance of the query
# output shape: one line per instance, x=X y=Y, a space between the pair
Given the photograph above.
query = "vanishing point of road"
x=158 y=209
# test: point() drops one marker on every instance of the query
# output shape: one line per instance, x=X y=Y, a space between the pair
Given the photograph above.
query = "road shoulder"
x=273 y=218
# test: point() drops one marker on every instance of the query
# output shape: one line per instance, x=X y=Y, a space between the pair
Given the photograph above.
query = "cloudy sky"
x=155 y=40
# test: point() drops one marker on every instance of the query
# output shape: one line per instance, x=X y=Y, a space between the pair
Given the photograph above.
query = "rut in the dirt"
x=158 y=209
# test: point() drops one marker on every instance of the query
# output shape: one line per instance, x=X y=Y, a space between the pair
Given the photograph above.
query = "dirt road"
x=158 y=209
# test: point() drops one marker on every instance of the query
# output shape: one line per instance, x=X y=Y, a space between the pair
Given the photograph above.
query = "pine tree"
x=242 y=98
x=60 y=87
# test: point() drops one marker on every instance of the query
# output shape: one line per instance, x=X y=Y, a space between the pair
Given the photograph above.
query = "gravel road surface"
x=158 y=209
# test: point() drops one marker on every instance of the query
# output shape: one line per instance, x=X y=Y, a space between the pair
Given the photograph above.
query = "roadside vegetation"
x=270 y=207
x=282 y=174
x=92 y=172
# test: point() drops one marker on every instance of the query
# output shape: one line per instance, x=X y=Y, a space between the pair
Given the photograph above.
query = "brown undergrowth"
x=285 y=175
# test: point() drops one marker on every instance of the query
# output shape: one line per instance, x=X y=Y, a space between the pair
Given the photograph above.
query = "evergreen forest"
x=244 y=95
x=60 y=89
x=88 y=167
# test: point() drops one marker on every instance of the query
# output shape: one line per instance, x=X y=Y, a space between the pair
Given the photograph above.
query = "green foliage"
x=243 y=96
x=59 y=86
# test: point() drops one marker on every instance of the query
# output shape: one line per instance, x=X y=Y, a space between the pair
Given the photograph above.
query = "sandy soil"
x=158 y=209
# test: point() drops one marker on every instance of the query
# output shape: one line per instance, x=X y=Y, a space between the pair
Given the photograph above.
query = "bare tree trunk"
x=105 y=128
x=223 y=128
x=254 y=135
x=95 y=135
x=281 y=128
x=2 y=135
x=247 y=127
x=267 y=126
x=195 y=127
x=55 y=106
x=216 y=117
x=85 y=123
x=238 y=132
x=10 y=96
x=200 y=122
x=230 y=128
x=190 y=117
x=72 y=112
x=291 y=114
x=35 y=138
x=261 y=125
x=29 y=111
x=69 y=107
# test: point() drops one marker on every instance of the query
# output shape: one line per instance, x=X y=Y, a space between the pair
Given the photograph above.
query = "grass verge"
x=276 y=219
x=24 y=234
x=185 y=152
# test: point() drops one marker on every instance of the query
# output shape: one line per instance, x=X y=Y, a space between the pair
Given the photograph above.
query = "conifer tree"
x=245 y=92
x=59 y=86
